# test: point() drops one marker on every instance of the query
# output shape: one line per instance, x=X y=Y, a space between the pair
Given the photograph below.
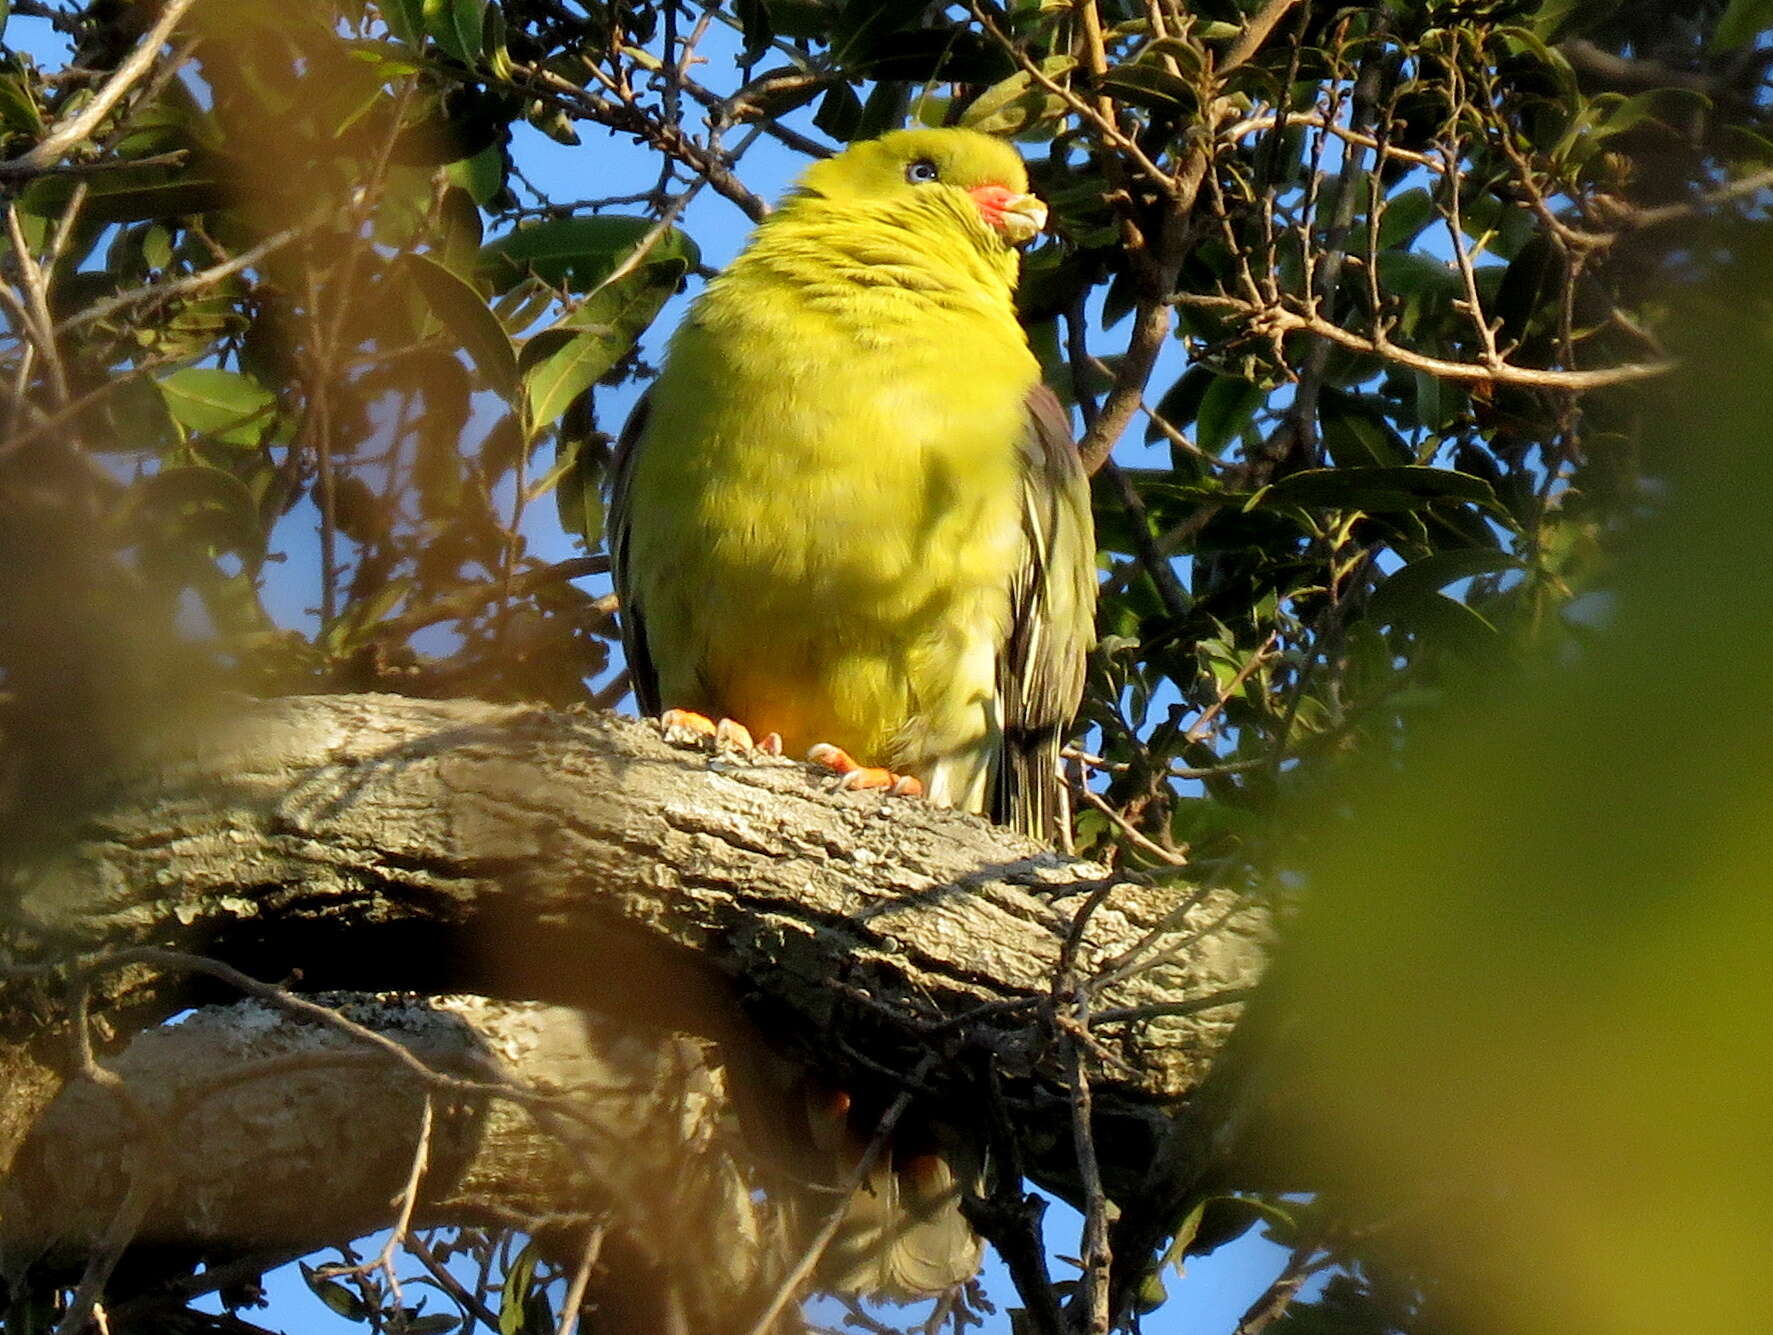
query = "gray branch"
x=633 y=903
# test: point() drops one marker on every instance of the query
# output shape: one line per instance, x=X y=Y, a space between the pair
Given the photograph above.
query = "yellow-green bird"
x=848 y=512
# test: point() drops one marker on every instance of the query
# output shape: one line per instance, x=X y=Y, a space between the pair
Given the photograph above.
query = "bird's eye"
x=921 y=172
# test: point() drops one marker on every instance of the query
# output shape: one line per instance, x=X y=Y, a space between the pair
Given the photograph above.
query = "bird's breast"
x=841 y=526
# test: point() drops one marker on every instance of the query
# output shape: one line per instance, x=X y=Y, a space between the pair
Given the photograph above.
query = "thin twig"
x=409 y=1199
x=575 y=1294
x=1091 y=1300
x=1158 y=851
x=160 y=292
x=1255 y=32
x=65 y=135
x=1279 y=1295
x=1465 y=373
x=1157 y=1010
x=1198 y=729
x=119 y=1233
x=10 y=171
x=36 y=286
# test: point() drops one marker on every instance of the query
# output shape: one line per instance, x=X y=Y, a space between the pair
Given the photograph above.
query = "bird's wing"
x=641 y=672
x=1052 y=621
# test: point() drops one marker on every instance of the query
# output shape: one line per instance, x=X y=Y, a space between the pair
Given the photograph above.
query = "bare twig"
x=32 y=277
x=470 y=1303
x=121 y=1231
x=10 y=171
x=1229 y=996
x=155 y=293
x=1158 y=851
x=69 y=133
x=575 y=1294
x=1275 y=1300
x=409 y=1199
x=1089 y=1307
x=1256 y=31
x=1465 y=373
x=464 y=602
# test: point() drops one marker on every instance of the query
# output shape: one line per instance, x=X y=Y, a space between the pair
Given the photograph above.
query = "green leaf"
x=1355 y=434
x=157 y=246
x=438 y=1323
x=208 y=507
x=405 y=19
x=516 y=1289
x=861 y=22
x=1181 y=51
x=334 y=1294
x=129 y=415
x=840 y=113
x=810 y=19
x=1017 y=103
x=1438 y=401
x=498 y=55
x=1413 y=274
x=482 y=175
x=465 y=314
x=1226 y=409
x=1181 y=401
x=1427 y=576
x=754 y=24
x=1530 y=287
x=456 y=26
x=1447 y=621
x=577 y=479
x=1375 y=490
x=1149 y=86
x=223 y=405
x=886 y=107
x=1553 y=14
x=576 y=253
x=18 y=106
x=1406 y=214
x=1743 y=21
x=559 y=364
x=126 y=195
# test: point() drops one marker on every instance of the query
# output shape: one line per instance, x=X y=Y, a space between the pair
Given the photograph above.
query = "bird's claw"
x=852 y=775
x=685 y=727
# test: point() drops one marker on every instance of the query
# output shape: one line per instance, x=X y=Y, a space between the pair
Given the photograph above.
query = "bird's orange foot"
x=685 y=727
x=854 y=775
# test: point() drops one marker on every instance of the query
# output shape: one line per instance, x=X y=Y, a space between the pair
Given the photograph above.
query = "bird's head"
x=974 y=170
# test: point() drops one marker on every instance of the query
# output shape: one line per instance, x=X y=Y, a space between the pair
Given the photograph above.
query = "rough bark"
x=613 y=883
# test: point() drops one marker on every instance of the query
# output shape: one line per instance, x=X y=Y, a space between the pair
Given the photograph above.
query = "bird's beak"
x=1017 y=218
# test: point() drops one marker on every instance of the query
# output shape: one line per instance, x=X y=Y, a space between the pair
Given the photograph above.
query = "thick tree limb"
x=578 y=862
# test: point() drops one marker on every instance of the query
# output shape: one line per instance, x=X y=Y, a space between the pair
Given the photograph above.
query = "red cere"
x=991 y=200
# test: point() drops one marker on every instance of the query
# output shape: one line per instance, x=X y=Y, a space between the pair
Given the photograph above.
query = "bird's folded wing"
x=1052 y=620
x=642 y=674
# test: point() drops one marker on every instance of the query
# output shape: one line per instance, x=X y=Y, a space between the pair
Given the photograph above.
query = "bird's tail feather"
x=902 y=1235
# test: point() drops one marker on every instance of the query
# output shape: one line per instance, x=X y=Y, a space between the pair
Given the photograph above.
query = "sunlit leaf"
x=226 y=405
x=1376 y=489
x=464 y=312
x=578 y=253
